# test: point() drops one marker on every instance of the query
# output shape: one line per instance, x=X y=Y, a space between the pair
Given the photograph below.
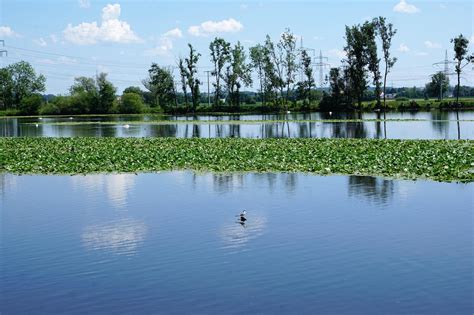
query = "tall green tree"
x=274 y=67
x=308 y=83
x=238 y=74
x=6 y=88
x=287 y=47
x=107 y=92
x=386 y=33
x=220 y=55
x=369 y=29
x=257 y=57
x=191 y=75
x=22 y=81
x=461 y=55
x=356 y=60
x=438 y=86
x=183 y=78
x=160 y=83
x=84 y=96
x=336 y=82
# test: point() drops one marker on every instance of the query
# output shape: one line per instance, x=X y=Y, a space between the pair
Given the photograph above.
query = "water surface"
x=170 y=243
x=432 y=125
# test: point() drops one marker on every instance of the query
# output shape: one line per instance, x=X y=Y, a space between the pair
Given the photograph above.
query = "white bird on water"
x=36 y=125
x=126 y=126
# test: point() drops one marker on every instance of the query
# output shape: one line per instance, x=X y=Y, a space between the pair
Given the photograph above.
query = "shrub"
x=131 y=103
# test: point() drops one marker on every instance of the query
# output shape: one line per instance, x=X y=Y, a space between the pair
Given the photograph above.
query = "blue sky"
x=65 y=39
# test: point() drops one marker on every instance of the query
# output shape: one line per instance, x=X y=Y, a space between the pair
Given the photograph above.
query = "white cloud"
x=176 y=33
x=6 y=31
x=165 y=43
x=110 y=30
x=337 y=53
x=40 y=42
x=403 y=48
x=404 y=7
x=84 y=4
x=212 y=27
x=432 y=45
x=111 y=12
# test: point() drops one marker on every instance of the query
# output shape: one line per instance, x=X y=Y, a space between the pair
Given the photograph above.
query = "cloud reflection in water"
x=121 y=237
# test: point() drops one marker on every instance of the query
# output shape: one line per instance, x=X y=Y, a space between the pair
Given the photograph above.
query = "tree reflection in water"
x=375 y=189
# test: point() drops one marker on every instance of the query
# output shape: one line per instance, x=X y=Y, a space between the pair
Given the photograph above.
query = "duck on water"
x=242 y=217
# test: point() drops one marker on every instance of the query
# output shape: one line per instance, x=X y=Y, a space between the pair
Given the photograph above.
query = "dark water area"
x=171 y=243
x=433 y=125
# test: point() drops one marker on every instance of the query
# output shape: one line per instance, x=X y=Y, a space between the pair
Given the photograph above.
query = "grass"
x=440 y=160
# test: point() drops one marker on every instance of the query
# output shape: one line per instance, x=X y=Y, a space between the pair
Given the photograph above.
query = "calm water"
x=437 y=125
x=170 y=243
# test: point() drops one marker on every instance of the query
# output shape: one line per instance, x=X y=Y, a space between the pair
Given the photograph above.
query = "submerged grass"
x=440 y=160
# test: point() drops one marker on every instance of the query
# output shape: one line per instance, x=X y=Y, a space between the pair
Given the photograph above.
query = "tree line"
x=276 y=67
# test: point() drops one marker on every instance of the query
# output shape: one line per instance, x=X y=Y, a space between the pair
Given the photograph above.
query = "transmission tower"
x=300 y=50
x=446 y=69
x=321 y=65
x=3 y=51
x=445 y=64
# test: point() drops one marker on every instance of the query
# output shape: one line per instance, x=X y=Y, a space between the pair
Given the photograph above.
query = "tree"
x=356 y=61
x=274 y=67
x=308 y=83
x=22 y=81
x=30 y=104
x=83 y=85
x=191 y=75
x=438 y=85
x=386 y=33
x=131 y=103
x=133 y=89
x=287 y=45
x=336 y=82
x=106 y=93
x=460 y=51
x=85 y=97
x=220 y=55
x=6 y=88
x=334 y=101
x=369 y=29
x=160 y=83
x=237 y=74
x=183 y=76
x=257 y=57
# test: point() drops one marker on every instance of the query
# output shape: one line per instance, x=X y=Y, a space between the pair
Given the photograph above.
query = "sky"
x=67 y=39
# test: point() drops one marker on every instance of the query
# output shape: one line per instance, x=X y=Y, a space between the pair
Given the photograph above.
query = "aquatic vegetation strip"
x=227 y=122
x=440 y=160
